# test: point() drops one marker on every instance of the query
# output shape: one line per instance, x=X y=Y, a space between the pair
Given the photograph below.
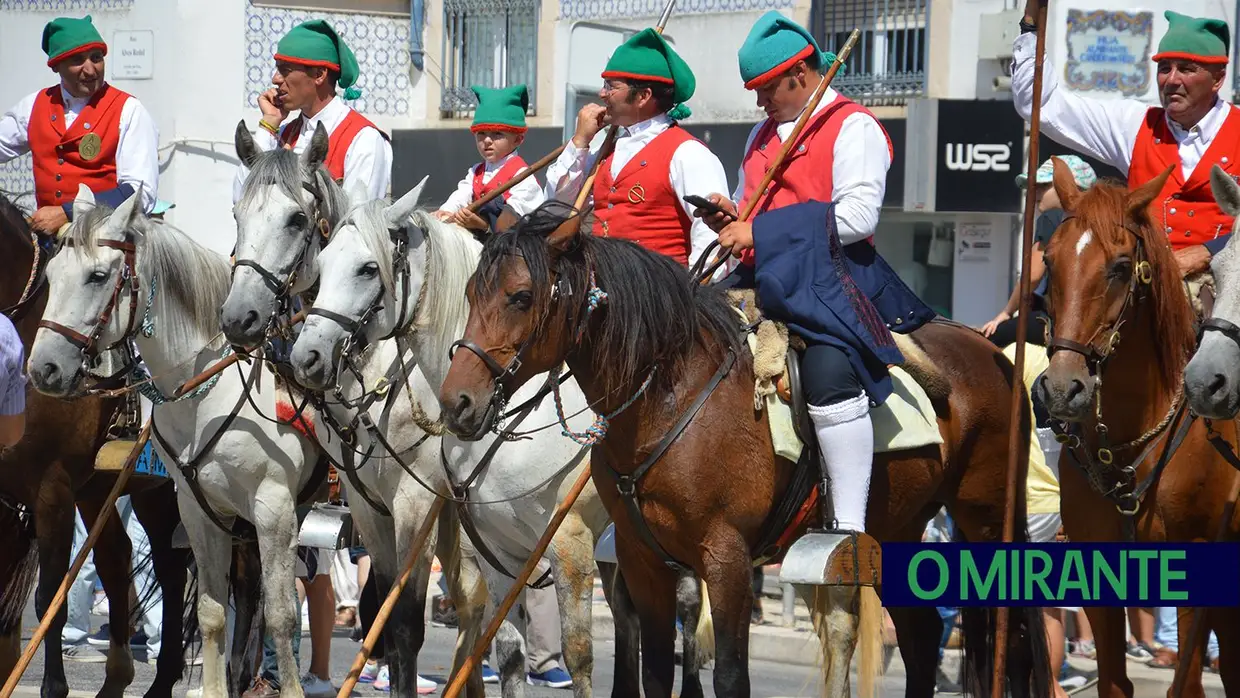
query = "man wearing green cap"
x=311 y=61
x=638 y=190
x=82 y=131
x=1192 y=131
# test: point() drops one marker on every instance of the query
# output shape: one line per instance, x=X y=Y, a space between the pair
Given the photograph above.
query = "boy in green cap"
x=1193 y=130
x=311 y=62
x=82 y=131
x=639 y=189
x=498 y=128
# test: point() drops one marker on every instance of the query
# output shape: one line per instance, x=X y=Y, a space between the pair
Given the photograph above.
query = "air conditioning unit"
x=997 y=32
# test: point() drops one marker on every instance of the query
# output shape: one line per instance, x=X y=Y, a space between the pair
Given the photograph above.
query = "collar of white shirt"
x=330 y=116
x=652 y=126
x=1206 y=129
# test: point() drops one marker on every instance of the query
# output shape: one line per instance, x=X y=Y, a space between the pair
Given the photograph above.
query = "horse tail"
x=869 y=642
x=705 y=634
x=19 y=565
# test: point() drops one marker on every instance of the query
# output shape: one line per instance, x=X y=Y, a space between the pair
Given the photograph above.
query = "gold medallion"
x=89 y=146
x=637 y=194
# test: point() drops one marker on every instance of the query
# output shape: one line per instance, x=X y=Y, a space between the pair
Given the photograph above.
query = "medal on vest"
x=637 y=194
x=90 y=146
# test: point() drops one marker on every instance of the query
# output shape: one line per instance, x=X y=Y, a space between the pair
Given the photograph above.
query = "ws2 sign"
x=978 y=157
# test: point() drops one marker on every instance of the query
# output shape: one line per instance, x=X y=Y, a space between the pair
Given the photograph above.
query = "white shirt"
x=523 y=198
x=1106 y=130
x=694 y=170
x=368 y=161
x=137 y=154
x=859 y=165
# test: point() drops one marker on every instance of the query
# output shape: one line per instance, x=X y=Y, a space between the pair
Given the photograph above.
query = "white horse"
x=1212 y=377
x=288 y=205
x=509 y=488
x=125 y=277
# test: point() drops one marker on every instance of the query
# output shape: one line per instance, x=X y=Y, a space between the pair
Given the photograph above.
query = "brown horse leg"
x=728 y=574
x=918 y=630
x=112 y=562
x=627 y=682
x=652 y=587
x=1226 y=622
x=157 y=511
x=1112 y=642
x=1191 y=665
x=54 y=519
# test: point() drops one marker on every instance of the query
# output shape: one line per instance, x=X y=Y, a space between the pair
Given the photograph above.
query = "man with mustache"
x=82 y=131
x=1193 y=130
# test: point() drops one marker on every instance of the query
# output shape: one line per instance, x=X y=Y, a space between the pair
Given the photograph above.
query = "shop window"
x=888 y=64
x=487 y=42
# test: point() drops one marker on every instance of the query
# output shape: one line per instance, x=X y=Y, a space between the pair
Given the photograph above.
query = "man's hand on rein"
x=1192 y=260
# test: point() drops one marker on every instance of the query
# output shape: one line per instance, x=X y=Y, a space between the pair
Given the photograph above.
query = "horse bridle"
x=128 y=276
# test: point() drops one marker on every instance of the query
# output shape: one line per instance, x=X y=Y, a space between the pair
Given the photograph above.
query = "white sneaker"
x=369 y=672
x=426 y=686
x=315 y=687
x=82 y=652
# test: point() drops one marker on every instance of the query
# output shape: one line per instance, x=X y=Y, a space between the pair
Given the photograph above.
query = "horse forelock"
x=652 y=316
x=283 y=169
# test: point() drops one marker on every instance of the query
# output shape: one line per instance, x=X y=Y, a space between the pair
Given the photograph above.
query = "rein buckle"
x=1105 y=456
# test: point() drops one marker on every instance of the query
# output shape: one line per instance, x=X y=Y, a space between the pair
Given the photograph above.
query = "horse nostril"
x=251 y=319
x=314 y=358
x=49 y=372
x=463 y=403
x=1075 y=389
x=1217 y=385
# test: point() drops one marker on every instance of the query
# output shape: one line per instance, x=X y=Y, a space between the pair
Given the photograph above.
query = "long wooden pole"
x=229 y=360
x=389 y=603
x=1018 y=430
x=58 y=600
x=462 y=675
x=807 y=113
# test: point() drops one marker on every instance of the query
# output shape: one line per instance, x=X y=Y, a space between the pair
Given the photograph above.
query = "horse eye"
x=297 y=220
x=1121 y=269
x=368 y=270
x=96 y=277
x=521 y=300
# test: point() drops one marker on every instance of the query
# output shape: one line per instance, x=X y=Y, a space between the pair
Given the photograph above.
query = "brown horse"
x=1122 y=402
x=644 y=344
x=44 y=474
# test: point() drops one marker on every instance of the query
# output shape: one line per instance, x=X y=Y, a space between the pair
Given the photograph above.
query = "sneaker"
x=315 y=687
x=426 y=686
x=262 y=688
x=1086 y=649
x=382 y=681
x=1076 y=680
x=99 y=605
x=1140 y=651
x=945 y=685
x=369 y=672
x=103 y=638
x=488 y=674
x=82 y=652
x=552 y=678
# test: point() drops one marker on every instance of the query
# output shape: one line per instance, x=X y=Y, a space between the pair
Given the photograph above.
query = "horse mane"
x=1104 y=206
x=13 y=218
x=282 y=168
x=191 y=281
x=653 y=316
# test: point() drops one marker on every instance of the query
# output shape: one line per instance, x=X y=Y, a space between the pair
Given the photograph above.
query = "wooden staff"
x=786 y=148
x=521 y=177
x=462 y=675
x=1018 y=433
x=58 y=600
x=229 y=360
x=372 y=637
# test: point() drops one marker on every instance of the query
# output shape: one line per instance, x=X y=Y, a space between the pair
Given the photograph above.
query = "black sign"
x=980 y=152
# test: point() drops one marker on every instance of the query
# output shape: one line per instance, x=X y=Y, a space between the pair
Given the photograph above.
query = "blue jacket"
x=828 y=293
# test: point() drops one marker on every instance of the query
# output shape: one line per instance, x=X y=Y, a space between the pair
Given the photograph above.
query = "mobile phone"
x=707 y=205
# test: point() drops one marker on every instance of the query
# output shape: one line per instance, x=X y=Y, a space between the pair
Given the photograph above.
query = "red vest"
x=338 y=141
x=60 y=155
x=509 y=170
x=640 y=204
x=807 y=171
x=1186 y=211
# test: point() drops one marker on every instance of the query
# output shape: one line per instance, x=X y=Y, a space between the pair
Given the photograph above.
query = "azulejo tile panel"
x=603 y=9
x=381 y=45
x=65 y=5
x=17 y=181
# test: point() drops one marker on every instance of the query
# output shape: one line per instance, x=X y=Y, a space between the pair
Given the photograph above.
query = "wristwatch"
x=1027 y=27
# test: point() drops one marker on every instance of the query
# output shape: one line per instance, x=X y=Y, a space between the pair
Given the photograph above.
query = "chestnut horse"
x=1123 y=406
x=644 y=344
x=50 y=468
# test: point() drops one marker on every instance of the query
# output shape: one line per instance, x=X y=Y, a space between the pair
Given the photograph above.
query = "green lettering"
x=1015 y=594
x=915 y=586
x=1143 y=558
x=1102 y=568
x=1038 y=577
x=970 y=576
x=1073 y=576
x=1167 y=575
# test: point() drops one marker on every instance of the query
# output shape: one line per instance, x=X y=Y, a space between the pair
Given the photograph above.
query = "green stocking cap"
x=500 y=109
x=64 y=37
x=1194 y=39
x=316 y=43
x=646 y=56
x=774 y=45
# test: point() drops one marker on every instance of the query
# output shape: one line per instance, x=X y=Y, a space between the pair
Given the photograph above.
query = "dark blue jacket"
x=828 y=293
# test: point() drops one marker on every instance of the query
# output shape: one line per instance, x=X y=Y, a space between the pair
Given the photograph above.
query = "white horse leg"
x=835 y=615
x=213 y=555
x=468 y=591
x=509 y=643
x=276 y=523
x=572 y=550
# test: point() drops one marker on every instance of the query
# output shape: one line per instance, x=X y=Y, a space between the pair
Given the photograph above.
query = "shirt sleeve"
x=137 y=155
x=526 y=196
x=859 y=173
x=1105 y=130
x=265 y=141
x=14 y=126
x=462 y=196
x=696 y=171
x=369 y=163
x=12 y=379
x=566 y=174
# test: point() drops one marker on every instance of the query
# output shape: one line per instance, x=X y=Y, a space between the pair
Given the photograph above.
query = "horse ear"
x=1065 y=185
x=1138 y=201
x=316 y=154
x=1226 y=191
x=565 y=235
x=247 y=149
x=399 y=212
x=123 y=216
x=84 y=202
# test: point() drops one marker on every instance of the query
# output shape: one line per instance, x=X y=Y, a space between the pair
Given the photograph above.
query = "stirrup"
x=833 y=558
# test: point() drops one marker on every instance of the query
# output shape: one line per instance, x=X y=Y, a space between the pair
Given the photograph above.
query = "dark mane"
x=12 y=218
x=1103 y=207
x=652 y=315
